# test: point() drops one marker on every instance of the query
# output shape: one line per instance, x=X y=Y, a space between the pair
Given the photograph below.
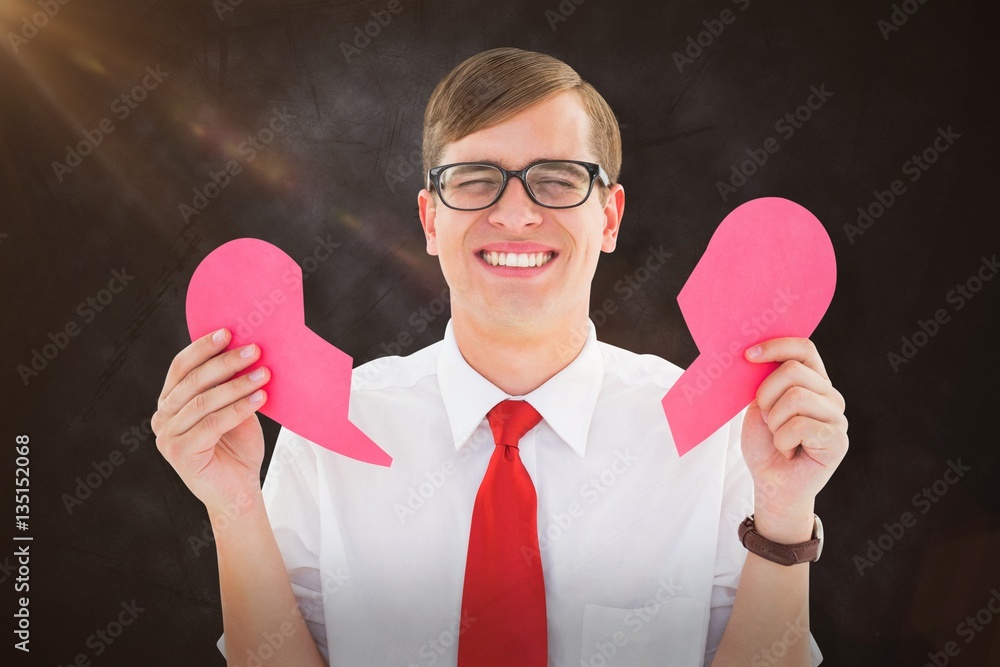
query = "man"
x=635 y=554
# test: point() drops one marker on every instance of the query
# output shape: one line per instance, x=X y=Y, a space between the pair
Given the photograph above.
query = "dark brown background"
x=326 y=176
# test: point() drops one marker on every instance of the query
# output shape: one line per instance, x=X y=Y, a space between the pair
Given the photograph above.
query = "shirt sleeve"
x=737 y=504
x=290 y=494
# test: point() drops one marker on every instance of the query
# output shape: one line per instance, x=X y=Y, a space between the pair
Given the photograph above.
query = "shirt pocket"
x=666 y=634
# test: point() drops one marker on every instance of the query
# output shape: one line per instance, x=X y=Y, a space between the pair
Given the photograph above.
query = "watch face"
x=818 y=534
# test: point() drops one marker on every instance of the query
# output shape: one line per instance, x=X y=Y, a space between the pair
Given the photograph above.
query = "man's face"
x=570 y=240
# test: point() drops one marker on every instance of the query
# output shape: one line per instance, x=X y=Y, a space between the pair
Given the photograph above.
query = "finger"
x=217 y=398
x=782 y=349
x=215 y=424
x=197 y=444
x=209 y=374
x=790 y=374
x=823 y=442
x=192 y=356
x=802 y=402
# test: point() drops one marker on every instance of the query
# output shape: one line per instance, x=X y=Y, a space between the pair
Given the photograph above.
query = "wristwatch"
x=782 y=554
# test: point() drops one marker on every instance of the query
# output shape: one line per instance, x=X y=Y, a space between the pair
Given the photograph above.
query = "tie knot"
x=511 y=419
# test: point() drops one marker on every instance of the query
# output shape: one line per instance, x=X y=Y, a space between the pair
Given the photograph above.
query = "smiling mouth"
x=523 y=259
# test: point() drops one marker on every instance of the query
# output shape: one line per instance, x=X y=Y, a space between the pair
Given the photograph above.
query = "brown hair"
x=494 y=85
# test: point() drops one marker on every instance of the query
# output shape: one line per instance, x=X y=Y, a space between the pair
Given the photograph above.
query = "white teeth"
x=516 y=259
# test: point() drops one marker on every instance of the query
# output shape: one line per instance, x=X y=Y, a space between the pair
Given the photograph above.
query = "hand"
x=794 y=437
x=207 y=428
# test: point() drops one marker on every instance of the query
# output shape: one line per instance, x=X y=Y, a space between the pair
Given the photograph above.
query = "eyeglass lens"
x=551 y=183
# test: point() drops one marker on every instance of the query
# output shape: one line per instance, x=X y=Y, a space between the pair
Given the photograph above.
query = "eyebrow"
x=531 y=161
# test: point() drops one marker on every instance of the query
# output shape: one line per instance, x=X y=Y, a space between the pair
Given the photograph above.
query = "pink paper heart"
x=768 y=272
x=255 y=290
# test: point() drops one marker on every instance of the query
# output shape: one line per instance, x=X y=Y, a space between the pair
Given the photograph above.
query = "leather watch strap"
x=782 y=554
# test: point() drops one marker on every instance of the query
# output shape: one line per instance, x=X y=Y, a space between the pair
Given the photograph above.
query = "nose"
x=515 y=208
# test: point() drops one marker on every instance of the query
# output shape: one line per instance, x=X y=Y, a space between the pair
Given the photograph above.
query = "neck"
x=518 y=358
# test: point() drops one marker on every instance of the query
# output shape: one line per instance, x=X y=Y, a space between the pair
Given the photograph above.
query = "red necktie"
x=504 y=594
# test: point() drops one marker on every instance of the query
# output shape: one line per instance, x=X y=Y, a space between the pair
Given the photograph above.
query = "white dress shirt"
x=639 y=549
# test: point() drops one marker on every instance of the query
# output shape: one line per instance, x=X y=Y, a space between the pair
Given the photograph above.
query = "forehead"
x=556 y=127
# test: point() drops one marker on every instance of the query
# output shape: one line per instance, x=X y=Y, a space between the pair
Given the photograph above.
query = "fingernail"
x=219 y=335
x=753 y=351
x=257 y=375
x=247 y=351
x=257 y=396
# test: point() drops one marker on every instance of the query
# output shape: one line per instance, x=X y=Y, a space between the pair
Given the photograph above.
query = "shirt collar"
x=566 y=400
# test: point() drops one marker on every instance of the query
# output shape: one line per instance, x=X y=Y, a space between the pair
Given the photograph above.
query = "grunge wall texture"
x=97 y=252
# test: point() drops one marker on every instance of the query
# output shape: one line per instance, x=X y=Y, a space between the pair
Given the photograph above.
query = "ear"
x=614 y=208
x=427 y=207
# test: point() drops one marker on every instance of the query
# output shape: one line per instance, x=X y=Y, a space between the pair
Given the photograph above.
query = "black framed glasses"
x=473 y=186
